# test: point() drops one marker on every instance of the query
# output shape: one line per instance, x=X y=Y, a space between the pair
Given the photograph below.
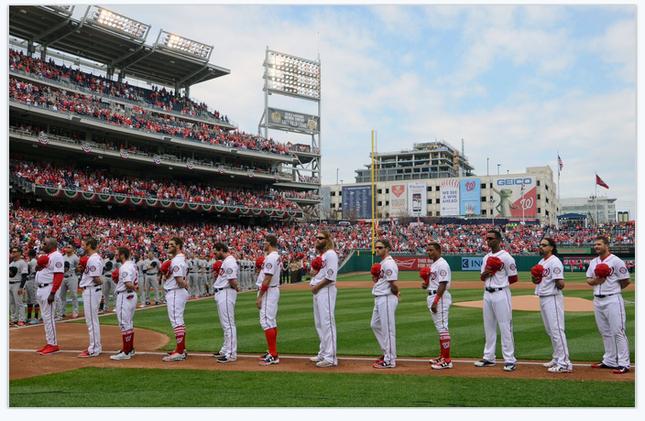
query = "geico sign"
x=514 y=181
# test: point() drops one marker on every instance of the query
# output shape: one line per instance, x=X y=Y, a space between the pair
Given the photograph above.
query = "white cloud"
x=617 y=46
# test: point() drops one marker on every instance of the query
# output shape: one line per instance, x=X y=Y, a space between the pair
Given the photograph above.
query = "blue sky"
x=517 y=83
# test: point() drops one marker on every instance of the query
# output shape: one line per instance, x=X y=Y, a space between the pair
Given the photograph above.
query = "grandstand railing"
x=71 y=86
x=124 y=199
x=158 y=159
x=103 y=124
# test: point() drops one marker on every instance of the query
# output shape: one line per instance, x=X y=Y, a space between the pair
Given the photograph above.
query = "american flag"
x=560 y=164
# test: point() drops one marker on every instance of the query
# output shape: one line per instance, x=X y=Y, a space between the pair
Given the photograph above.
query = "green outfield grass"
x=197 y=388
x=416 y=335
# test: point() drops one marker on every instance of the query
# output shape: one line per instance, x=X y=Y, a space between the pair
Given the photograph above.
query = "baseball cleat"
x=263 y=356
x=559 y=369
x=224 y=359
x=121 y=356
x=39 y=350
x=549 y=364
x=435 y=360
x=442 y=365
x=87 y=354
x=217 y=354
x=175 y=356
x=383 y=364
x=20 y=323
x=324 y=364
x=379 y=359
x=49 y=349
x=74 y=315
x=602 y=365
x=33 y=322
x=484 y=363
x=270 y=359
x=315 y=359
x=510 y=367
x=621 y=370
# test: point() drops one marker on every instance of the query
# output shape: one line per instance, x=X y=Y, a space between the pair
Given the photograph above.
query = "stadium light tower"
x=188 y=47
x=299 y=78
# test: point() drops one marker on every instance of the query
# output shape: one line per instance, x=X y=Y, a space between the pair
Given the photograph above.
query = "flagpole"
x=372 y=186
x=557 y=220
x=596 y=198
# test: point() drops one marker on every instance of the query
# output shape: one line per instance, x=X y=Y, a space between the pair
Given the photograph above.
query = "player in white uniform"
x=49 y=277
x=18 y=273
x=268 y=297
x=323 y=288
x=439 y=301
x=609 y=307
x=70 y=283
x=497 y=302
x=548 y=286
x=126 y=302
x=175 y=286
x=226 y=289
x=30 y=290
x=91 y=282
x=386 y=299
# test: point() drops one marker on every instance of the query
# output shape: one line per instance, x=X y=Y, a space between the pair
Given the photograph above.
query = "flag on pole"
x=560 y=164
x=600 y=182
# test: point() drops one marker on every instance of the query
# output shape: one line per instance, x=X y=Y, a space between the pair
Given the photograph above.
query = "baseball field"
x=200 y=381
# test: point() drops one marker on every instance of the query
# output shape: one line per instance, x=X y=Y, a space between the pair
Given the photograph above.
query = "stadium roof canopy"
x=90 y=38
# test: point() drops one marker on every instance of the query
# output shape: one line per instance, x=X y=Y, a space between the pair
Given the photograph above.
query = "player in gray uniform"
x=211 y=276
x=109 y=264
x=30 y=290
x=201 y=290
x=18 y=272
x=151 y=267
x=70 y=283
x=192 y=276
x=138 y=263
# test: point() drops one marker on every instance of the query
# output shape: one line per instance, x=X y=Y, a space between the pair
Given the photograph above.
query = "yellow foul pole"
x=373 y=196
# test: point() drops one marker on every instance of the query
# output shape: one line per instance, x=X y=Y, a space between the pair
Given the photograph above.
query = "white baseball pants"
x=269 y=308
x=610 y=319
x=325 y=321
x=498 y=312
x=440 y=318
x=47 y=312
x=384 y=325
x=126 y=303
x=225 y=300
x=552 y=309
x=176 y=304
x=91 y=302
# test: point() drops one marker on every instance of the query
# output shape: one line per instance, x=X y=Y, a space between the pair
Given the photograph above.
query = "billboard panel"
x=417 y=200
x=470 y=197
x=514 y=197
x=292 y=121
x=357 y=202
x=398 y=200
x=449 y=203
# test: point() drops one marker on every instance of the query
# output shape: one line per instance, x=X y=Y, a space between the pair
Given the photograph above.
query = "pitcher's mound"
x=532 y=303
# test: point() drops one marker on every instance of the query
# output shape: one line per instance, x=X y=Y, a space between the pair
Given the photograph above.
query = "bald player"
x=91 y=282
x=268 y=297
x=126 y=302
x=609 y=307
x=49 y=278
x=175 y=286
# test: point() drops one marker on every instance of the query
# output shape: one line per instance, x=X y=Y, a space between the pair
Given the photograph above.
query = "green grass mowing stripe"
x=416 y=335
x=200 y=388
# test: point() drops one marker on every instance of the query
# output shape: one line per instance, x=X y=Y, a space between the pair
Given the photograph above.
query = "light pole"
x=498 y=165
x=336 y=176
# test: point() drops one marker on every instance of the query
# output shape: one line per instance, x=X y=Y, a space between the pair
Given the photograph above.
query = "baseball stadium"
x=157 y=248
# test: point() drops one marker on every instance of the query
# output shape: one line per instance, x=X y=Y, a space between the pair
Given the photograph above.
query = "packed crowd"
x=137 y=118
x=155 y=97
x=102 y=181
x=28 y=226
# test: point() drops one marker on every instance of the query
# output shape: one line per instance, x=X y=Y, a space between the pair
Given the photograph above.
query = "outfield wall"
x=361 y=261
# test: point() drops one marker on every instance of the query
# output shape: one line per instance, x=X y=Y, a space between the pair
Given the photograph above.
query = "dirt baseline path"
x=24 y=362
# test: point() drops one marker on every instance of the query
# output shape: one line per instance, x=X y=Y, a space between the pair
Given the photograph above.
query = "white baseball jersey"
x=93 y=268
x=329 y=268
x=127 y=273
x=55 y=265
x=178 y=267
x=389 y=273
x=272 y=267
x=21 y=269
x=500 y=278
x=618 y=271
x=553 y=270
x=227 y=272
x=439 y=273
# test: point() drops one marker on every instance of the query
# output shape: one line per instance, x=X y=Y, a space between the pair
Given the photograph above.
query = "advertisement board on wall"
x=470 y=197
x=357 y=202
x=514 y=197
x=398 y=200
x=417 y=200
x=449 y=203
